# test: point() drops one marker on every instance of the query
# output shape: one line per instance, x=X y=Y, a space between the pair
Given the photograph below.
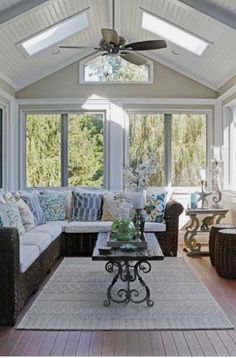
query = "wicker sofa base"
x=82 y=244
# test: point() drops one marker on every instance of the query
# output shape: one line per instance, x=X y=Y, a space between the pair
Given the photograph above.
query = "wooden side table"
x=211 y=216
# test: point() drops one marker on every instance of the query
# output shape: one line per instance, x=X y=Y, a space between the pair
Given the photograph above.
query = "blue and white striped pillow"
x=32 y=200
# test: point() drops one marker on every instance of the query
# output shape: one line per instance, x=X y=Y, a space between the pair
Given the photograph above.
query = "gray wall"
x=167 y=84
x=7 y=88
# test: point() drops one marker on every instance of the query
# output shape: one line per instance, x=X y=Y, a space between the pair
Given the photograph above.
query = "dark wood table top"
x=153 y=251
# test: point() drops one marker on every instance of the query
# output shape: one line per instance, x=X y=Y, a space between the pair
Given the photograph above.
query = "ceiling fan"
x=113 y=44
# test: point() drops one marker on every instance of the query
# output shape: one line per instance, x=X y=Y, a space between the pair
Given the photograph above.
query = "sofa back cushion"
x=10 y=216
x=116 y=205
x=53 y=206
x=32 y=200
x=86 y=205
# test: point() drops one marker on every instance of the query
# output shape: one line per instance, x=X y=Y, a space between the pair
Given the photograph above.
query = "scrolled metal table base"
x=128 y=273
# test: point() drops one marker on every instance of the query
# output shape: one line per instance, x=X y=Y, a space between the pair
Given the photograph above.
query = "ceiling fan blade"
x=133 y=58
x=78 y=47
x=147 y=45
x=110 y=36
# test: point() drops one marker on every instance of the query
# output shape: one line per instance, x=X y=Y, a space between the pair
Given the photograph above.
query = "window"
x=1 y=146
x=54 y=34
x=64 y=149
x=110 y=69
x=179 y=141
x=178 y=36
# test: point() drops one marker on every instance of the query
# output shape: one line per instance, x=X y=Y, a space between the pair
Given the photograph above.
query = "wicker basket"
x=214 y=230
x=225 y=253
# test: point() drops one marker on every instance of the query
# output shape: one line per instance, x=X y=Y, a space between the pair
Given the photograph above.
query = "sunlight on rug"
x=73 y=300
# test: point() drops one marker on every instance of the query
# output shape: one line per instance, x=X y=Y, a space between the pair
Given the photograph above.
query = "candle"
x=216 y=153
x=139 y=200
x=203 y=174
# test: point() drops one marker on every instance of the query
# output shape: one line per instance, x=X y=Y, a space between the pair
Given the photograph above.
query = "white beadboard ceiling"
x=213 y=68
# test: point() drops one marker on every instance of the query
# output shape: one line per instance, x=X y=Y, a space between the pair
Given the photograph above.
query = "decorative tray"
x=142 y=243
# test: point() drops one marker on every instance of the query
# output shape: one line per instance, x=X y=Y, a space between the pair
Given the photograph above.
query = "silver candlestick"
x=216 y=184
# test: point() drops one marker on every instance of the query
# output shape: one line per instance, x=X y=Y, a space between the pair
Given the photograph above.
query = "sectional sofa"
x=26 y=259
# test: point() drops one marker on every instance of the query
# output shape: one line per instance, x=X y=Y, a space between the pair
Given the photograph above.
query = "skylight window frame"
x=177 y=27
x=20 y=44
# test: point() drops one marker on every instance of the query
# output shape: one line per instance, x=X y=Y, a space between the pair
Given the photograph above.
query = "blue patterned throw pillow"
x=10 y=217
x=32 y=200
x=53 y=206
x=86 y=206
x=155 y=207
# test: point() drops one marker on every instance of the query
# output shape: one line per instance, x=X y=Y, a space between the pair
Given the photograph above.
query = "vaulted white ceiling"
x=20 y=19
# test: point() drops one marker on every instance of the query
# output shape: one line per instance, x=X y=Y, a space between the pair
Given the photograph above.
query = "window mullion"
x=167 y=154
x=64 y=149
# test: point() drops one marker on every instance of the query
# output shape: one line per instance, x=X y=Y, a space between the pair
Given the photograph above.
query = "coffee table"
x=128 y=267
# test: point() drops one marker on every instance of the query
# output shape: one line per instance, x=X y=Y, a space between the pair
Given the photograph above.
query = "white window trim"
x=84 y=61
x=227 y=123
x=23 y=114
x=208 y=113
x=4 y=142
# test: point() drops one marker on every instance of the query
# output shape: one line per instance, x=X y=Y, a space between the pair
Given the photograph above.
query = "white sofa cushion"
x=105 y=226
x=54 y=230
x=28 y=254
x=61 y=223
x=40 y=239
x=88 y=226
x=154 y=227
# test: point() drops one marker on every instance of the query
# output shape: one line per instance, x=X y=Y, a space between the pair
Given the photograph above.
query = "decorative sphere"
x=123 y=229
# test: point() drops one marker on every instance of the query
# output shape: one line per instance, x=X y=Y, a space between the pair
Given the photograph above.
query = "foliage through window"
x=115 y=69
x=64 y=149
x=181 y=143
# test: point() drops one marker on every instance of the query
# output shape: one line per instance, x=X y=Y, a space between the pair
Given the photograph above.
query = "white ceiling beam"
x=18 y=9
x=213 y=10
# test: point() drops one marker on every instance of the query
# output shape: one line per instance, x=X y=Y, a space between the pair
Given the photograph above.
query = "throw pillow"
x=53 y=206
x=25 y=213
x=86 y=206
x=155 y=207
x=116 y=205
x=68 y=198
x=32 y=200
x=10 y=216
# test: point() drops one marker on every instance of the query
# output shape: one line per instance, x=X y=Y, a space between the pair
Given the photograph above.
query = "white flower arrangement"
x=139 y=178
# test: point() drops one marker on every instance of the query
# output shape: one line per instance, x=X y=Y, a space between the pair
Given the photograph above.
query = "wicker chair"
x=213 y=232
x=225 y=253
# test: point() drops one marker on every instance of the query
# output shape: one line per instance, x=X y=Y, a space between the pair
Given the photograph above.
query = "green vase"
x=123 y=230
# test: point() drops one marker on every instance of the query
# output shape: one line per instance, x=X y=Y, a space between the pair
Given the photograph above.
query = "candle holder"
x=139 y=223
x=216 y=184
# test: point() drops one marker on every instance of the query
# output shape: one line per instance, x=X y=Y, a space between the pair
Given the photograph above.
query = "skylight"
x=174 y=34
x=55 y=34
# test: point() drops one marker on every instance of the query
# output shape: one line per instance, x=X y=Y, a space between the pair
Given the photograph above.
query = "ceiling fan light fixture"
x=173 y=33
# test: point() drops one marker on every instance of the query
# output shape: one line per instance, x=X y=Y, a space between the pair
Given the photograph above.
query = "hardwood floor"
x=135 y=343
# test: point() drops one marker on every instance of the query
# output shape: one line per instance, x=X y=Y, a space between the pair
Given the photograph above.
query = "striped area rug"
x=73 y=300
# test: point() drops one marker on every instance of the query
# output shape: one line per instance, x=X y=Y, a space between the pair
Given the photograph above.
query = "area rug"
x=73 y=300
